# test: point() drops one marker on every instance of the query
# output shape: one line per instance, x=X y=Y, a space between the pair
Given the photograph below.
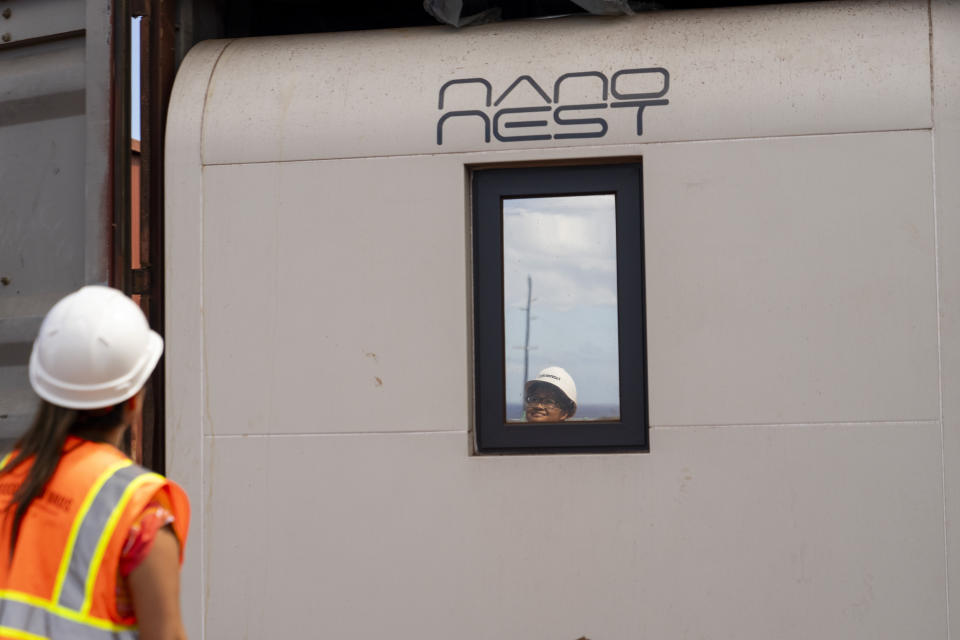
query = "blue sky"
x=135 y=78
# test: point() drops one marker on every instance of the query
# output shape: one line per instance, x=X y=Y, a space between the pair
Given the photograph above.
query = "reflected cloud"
x=566 y=244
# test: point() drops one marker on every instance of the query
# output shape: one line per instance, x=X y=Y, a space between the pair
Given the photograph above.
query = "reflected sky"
x=568 y=247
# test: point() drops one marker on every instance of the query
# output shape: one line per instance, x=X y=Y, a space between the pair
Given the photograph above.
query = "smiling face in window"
x=550 y=397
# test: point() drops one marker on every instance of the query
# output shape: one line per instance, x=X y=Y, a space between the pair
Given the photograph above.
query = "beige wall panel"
x=946 y=143
x=791 y=280
x=740 y=533
x=742 y=72
x=319 y=323
x=184 y=357
x=337 y=285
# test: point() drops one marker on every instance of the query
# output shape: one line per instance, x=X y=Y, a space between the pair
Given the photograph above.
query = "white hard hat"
x=558 y=377
x=94 y=350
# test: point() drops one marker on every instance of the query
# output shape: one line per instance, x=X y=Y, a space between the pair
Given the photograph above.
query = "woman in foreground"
x=90 y=544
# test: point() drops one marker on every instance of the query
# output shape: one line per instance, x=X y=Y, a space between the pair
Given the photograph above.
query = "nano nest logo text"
x=581 y=120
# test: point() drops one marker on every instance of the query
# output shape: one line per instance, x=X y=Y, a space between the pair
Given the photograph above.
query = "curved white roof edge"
x=834 y=67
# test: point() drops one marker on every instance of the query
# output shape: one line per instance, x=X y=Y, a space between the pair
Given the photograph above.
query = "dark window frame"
x=490 y=186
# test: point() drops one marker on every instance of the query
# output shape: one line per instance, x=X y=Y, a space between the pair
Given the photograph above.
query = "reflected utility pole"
x=526 y=341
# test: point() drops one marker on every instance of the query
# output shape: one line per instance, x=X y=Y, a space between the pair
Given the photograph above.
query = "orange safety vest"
x=62 y=581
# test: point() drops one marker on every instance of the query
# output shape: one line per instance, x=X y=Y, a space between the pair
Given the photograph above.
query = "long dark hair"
x=43 y=443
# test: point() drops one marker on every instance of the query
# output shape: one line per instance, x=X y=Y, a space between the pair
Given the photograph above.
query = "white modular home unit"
x=799 y=354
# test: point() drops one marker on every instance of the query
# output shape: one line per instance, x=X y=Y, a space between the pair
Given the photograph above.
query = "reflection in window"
x=550 y=397
x=559 y=331
x=560 y=308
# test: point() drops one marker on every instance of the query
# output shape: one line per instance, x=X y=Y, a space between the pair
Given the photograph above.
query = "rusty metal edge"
x=120 y=161
x=5 y=46
x=157 y=64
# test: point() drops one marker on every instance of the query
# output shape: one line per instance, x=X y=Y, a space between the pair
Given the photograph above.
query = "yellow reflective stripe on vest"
x=29 y=617
x=90 y=538
x=69 y=550
x=5 y=460
x=107 y=530
x=16 y=634
x=67 y=613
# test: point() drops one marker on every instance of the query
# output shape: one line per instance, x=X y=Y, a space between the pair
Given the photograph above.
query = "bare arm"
x=155 y=587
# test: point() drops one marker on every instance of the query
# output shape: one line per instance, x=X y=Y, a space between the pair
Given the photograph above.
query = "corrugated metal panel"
x=55 y=68
x=40 y=19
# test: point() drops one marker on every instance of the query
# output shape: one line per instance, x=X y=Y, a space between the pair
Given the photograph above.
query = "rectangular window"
x=560 y=341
